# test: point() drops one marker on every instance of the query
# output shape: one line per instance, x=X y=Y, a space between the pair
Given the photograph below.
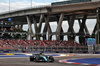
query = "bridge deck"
x=68 y=10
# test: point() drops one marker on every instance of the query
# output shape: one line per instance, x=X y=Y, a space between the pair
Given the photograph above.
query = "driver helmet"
x=40 y=52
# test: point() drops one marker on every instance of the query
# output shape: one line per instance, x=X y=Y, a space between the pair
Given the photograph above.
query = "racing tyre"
x=31 y=58
x=51 y=59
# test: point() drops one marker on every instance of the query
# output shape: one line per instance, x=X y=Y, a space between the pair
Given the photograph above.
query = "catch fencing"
x=51 y=49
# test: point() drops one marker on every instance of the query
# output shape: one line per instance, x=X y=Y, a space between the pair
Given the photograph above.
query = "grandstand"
x=45 y=46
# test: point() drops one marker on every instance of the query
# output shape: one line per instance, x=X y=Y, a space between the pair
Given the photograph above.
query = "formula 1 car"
x=41 y=57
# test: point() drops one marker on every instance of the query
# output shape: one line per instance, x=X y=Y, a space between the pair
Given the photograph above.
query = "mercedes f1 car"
x=41 y=57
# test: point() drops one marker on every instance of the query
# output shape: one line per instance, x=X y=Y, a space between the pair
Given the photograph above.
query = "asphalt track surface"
x=24 y=61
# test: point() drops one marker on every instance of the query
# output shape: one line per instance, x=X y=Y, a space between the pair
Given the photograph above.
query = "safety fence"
x=33 y=49
x=69 y=49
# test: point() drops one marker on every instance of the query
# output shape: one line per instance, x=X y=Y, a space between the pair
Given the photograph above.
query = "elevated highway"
x=70 y=9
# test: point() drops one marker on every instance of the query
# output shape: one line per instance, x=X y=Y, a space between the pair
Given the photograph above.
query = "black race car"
x=41 y=57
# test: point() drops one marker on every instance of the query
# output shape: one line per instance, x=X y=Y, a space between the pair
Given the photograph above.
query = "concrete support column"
x=46 y=26
x=85 y=27
x=49 y=32
x=59 y=26
x=98 y=27
x=40 y=22
x=71 y=30
x=61 y=35
x=86 y=31
x=81 y=30
x=36 y=29
x=30 y=28
x=82 y=26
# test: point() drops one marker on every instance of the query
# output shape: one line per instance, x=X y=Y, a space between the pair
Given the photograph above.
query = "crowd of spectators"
x=12 y=43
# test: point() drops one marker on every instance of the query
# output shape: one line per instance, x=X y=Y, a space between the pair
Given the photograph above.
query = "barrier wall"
x=48 y=50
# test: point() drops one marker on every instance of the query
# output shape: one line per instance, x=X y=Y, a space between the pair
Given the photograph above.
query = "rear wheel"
x=31 y=58
x=51 y=59
x=37 y=58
